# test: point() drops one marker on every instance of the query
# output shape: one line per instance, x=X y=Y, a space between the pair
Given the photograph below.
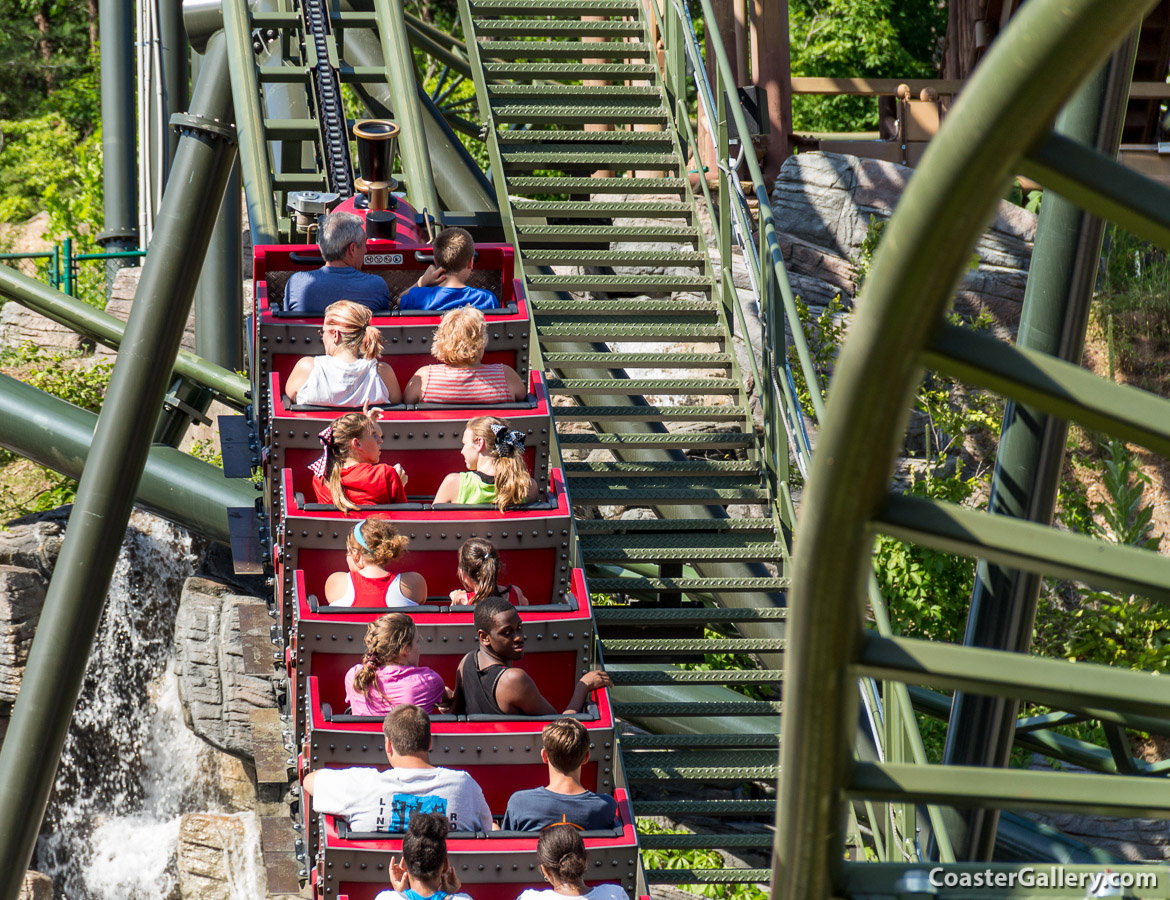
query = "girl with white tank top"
x=349 y=374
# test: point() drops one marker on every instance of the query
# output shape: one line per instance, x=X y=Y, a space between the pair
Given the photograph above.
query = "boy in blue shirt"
x=443 y=285
x=565 y=800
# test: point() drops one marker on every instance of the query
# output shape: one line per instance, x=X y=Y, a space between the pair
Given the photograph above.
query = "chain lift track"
x=326 y=94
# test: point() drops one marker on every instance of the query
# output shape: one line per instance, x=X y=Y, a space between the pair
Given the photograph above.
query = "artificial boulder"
x=823 y=204
x=36 y=886
x=217 y=695
x=218 y=857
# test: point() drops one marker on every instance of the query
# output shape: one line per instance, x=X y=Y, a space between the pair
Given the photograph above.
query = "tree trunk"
x=91 y=11
x=44 y=42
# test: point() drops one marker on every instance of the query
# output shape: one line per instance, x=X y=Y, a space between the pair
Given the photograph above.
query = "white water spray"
x=131 y=768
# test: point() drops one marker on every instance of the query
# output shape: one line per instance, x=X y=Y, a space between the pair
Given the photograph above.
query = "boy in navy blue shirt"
x=566 y=747
x=443 y=285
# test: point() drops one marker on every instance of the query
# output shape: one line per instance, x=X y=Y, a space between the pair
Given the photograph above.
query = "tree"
x=857 y=38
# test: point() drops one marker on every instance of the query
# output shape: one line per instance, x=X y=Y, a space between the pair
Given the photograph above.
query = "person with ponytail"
x=561 y=853
x=373 y=544
x=460 y=377
x=349 y=474
x=349 y=373
x=497 y=471
x=389 y=673
x=423 y=872
x=479 y=573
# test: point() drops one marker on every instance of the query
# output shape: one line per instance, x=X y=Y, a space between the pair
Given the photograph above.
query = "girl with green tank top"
x=497 y=470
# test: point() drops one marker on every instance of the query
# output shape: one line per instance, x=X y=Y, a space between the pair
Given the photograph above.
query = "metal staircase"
x=677 y=439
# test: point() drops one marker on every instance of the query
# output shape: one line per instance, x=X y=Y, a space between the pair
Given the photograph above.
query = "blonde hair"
x=460 y=338
x=454 y=249
x=388 y=637
x=345 y=429
x=383 y=542
x=356 y=333
x=512 y=475
x=479 y=562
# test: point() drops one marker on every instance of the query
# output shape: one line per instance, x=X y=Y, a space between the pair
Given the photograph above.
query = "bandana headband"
x=326 y=438
x=507 y=442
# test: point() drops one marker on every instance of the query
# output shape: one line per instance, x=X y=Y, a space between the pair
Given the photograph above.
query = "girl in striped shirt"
x=460 y=376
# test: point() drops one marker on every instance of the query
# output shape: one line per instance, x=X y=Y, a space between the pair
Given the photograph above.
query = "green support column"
x=174 y=485
x=173 y=53
x=121 y=445
x=1031 y=448
x=109 y=331
x=219 y=304
x=119 y=141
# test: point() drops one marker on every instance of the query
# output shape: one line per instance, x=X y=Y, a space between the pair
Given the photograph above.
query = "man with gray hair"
x=342 y=239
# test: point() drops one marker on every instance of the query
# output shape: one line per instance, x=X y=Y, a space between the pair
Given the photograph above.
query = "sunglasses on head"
x=558 y=824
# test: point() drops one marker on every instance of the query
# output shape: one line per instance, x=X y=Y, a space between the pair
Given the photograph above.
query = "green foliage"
x=83 y=386
x=869 y=245
x=927 y=591
x=694 y=859
x=734 y=662
x=1127 y=520
x=857 y=38
x=45 y=51
x=825 y=333
x=1110 y=628
x=38 y=155
x=208 y=451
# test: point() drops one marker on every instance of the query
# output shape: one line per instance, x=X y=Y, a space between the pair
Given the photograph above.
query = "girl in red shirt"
x=348 y=474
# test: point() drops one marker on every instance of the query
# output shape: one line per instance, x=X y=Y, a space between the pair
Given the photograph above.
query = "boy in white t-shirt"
x=384 y=800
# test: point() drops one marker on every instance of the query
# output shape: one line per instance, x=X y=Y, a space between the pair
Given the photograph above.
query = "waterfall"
x=131 y=768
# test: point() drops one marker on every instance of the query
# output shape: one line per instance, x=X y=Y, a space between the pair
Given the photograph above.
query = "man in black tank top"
x=487 y=683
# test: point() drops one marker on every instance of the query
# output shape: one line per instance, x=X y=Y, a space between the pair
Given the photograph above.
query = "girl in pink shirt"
x=389 y=673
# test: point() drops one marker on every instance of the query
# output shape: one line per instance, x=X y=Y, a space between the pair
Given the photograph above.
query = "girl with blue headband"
x=372 y=545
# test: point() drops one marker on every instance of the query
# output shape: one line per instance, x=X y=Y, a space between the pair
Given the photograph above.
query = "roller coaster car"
x=492 y=866
x=425 y=438
x=281 y=338
x=559 y=650
x=337 y=739
x=533 y=540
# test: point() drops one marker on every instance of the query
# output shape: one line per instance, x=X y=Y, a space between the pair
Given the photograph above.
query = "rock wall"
x=217 y=696
x=823 y=203
x=218 y=858
x=27 y=554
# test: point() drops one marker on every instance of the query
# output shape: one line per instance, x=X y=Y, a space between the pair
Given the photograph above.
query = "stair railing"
x=887 y=705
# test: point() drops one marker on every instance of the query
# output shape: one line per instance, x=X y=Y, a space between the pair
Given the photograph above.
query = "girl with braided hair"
x=479 y=573
x=497 y=471
x=373 y=544
x=561 y=853
x=389 y=673
x=349 y=373
x=349 y=474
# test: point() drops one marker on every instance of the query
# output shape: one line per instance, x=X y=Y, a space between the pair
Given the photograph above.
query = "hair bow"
x=507 y=442
x=326 y=438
